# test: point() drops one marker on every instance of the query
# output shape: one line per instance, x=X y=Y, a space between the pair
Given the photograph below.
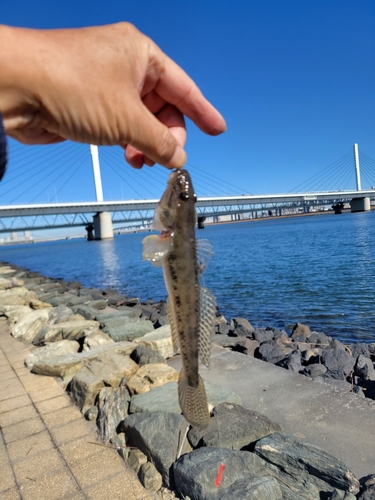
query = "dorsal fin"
x=204 y=253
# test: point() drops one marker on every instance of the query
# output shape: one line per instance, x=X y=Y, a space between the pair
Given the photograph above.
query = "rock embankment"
x=110 y=353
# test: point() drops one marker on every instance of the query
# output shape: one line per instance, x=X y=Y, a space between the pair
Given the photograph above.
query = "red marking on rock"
x=219 y=475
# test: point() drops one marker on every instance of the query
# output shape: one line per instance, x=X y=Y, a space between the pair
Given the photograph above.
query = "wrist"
x=18 y=74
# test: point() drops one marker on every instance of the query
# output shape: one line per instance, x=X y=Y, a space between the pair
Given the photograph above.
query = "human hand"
x=107 y=85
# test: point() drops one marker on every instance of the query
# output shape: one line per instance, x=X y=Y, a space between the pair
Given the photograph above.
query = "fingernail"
x=179 y=158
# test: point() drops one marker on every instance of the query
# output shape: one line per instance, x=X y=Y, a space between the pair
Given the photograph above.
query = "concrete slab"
x=339 y=422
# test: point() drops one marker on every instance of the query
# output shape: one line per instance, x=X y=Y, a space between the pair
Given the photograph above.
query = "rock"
x=314 y=370
x=149 y=376
x=311 y=356
x=272 y=352
x=246 y=346
x=14 y=313
x=68 y=330
x=143 y=356
x=244 y=323
x=96 y=338
x=98 y=304
x=263 y=334
x=291 y=362
x=223 y=328
x=86 y=311
x=150 y=477
x=300 y=329
x=159 y=340
x=224 y=340
x=59 y=314
x=29 y=326
x=38 y=304
x=112 y=409
x=68 y=299
x=234 y=427
x=61 y=348
x=129 y=330
x=338 y=362
x=364 y=368
x=159 y=436
x=165 y=398
x=319 y=338
x=91 y=413
x=136 y=458
x=196 y=473
x=66 y=366
x=367 y=488
x=304 y=469
x=114 y=315
x=359 y=348
x=339 y=384
x=108 y=370
x=336 y=344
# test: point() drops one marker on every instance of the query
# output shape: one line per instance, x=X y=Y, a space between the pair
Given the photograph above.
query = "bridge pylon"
x=102 y=220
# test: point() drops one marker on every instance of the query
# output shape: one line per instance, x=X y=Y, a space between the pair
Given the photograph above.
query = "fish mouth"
x=165 y=233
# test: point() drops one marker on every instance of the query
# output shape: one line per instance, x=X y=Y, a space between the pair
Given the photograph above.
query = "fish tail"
x=193 y=401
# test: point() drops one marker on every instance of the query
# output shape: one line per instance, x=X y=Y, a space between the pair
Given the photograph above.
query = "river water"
x=318 y=270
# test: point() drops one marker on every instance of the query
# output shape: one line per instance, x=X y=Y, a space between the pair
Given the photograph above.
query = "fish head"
x=178 y=197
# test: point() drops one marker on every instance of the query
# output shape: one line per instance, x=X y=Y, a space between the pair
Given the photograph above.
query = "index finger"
x=177 y=88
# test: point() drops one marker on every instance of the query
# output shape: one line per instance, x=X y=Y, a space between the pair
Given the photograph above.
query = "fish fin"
x=193 y=401
x=173 y=327
x=204 y=254
x=206 y=324
x=156 y=248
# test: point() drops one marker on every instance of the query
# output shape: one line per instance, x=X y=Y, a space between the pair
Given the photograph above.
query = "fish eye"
x=184 y=196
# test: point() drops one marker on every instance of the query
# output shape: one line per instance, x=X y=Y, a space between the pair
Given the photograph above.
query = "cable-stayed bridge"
x=101 y=215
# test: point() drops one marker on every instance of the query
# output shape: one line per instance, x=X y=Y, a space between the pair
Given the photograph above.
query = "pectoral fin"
x=156 y=248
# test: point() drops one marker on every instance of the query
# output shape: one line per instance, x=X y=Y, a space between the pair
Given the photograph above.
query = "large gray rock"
x=67 y=330
x=129 y=329
x=86 y=311
x=14 y=313
x=367 y=488
x=108 y=370
x=29 y=326
x=303 y=469
x=96 y=338
x=66 y=366
x=112 y=409
x=143 y=356
x=338 y=362
x=364 y=368
x=159 y=436
x=159 y=340
x=68 y=299
x=196 y=476
x=59 y=314
x=61 y=348
x=113 y=315
x=165 y=398
x=234 y=427
x=149 y=376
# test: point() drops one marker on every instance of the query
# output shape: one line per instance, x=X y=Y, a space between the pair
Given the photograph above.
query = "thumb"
x=154 y=139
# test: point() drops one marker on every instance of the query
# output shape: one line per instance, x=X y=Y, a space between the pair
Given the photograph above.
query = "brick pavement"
x=48 y=451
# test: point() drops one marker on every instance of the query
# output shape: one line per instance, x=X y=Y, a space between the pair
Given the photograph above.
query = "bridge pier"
x=103 y=226
x=360 y=205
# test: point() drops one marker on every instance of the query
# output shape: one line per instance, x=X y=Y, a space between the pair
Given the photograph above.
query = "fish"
x=191 y=307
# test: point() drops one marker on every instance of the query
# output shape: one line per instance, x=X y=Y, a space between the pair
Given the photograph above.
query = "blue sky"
x=294 y=80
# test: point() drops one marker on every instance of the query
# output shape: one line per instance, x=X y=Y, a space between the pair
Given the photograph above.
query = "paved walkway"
x=48 y=451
